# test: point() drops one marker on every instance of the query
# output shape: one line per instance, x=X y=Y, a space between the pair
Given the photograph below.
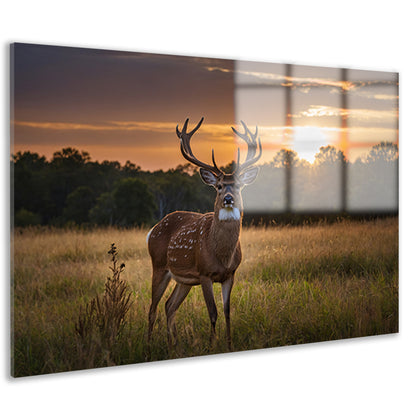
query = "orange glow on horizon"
x=166 y=154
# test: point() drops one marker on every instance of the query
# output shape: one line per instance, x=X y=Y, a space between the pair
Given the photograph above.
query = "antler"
x=187 y=152
x=251 y=140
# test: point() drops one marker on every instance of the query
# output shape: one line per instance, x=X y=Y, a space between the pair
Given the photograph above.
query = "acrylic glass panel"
x=144 y=228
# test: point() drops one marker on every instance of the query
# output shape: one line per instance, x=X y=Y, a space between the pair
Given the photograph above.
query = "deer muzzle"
x=228 y=200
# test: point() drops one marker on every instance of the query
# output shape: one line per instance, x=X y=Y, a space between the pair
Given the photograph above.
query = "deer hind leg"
x=160 y=281
x=208 y=292
x=172 y=304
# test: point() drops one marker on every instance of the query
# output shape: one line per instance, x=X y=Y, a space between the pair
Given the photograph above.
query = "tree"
x=78 y=204
x=374 y=179
x=383 y=152
x=285 y=158
x=103 y=212
x=24 y=218
x=70 y=157
x=31 y=160
x=67 y=172
x=329 y=155
x=320 y=189
x=130 y=169
x=30 y=183
x=133 y=202
x=187 y=168
x=129 y=203
x=177 y=189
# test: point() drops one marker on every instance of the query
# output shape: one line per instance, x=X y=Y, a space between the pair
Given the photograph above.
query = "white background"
x=367 y=376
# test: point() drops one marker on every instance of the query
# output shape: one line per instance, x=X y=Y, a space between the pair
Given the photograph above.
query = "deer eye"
x=219 y=187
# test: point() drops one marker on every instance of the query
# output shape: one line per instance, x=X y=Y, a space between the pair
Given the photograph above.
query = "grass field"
x=295 y=285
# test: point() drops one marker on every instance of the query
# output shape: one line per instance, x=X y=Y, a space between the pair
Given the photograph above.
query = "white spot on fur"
x=229 y=214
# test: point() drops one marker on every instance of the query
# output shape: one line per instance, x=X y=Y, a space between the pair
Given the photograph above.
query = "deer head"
x=228 y=202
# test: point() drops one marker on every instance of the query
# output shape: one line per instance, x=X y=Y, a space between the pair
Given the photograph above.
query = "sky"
x=125 y=106
x=317 y=106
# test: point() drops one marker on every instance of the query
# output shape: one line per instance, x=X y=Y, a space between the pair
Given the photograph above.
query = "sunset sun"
x=307 y=140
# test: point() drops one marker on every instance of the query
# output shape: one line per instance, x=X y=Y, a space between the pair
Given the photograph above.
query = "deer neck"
x=224 y=237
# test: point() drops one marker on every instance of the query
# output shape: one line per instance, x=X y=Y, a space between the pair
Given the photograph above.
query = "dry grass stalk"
x=100 y=324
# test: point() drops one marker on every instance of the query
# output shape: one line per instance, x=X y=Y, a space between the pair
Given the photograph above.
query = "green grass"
x=295 y=285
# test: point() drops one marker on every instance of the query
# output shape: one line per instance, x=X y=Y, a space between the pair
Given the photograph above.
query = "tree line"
x=330 y=184
x=72 y=189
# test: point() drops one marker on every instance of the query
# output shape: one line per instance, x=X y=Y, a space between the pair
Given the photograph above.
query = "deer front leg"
x=226 y=287
x=208 y=292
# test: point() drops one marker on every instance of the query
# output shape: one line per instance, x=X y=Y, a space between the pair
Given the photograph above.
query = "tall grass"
x=295 y=285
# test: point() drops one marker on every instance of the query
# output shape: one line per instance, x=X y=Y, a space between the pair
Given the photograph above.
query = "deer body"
x=195 y=245
x=201 y=249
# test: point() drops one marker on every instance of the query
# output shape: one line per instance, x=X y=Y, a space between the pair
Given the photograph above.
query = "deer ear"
x=249 y=175
x=208 y=177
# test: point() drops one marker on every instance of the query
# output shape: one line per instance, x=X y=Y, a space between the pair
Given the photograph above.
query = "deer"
x=202 y=249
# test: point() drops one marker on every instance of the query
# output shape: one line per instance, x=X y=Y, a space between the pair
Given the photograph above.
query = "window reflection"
x=330 y=137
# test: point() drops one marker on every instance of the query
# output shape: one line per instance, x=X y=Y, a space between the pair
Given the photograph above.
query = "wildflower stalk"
x=101 y=322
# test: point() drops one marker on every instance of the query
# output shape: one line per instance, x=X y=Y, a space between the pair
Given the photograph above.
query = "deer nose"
x=228 y=200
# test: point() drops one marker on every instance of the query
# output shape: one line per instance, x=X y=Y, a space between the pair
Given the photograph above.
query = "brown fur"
x=190 y=245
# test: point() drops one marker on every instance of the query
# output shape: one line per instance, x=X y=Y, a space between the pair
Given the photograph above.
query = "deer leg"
x=208 y=292
x=172 y=304
x=160 y=281
x=226 y=287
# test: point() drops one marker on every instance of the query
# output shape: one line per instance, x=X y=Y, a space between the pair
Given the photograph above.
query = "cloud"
x=262 y=77
x=373 y=95
x=215 y=130
x=386 y=97
x=354 y=113
x=304 y=84
x=283 y=80
x=45 y=125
